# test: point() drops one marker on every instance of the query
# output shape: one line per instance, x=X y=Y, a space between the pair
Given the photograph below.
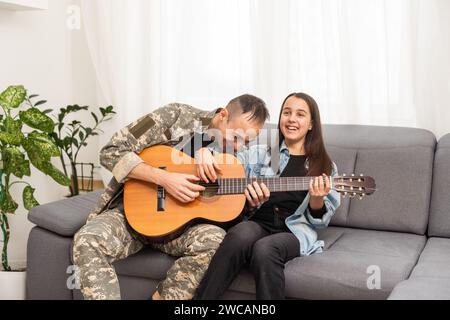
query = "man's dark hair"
x=249 y=104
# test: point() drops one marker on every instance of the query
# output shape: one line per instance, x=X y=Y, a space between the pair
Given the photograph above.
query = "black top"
x=272 y=214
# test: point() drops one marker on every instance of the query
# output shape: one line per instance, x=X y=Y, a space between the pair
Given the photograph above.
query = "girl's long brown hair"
x=318 y=159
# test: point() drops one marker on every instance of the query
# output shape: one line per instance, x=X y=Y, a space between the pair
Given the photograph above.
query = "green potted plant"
x=24 y=141
x=72 y=136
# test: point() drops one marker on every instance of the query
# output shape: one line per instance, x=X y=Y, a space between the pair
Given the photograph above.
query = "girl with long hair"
x=282 y=224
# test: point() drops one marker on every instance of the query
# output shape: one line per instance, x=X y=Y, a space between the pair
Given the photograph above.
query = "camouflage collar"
x=206 y=118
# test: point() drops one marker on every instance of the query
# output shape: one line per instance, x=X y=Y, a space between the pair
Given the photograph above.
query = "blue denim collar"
x=284 y=148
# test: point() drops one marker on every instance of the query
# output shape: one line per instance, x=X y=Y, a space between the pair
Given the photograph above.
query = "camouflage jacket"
x=166 y=125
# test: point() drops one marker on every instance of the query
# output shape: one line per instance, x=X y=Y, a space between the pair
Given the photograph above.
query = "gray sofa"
x=430 y=278
x=394 y=244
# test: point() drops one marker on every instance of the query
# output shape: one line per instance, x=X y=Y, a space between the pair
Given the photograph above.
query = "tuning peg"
x=353 y=174
x=362 y=196
x=344 y=175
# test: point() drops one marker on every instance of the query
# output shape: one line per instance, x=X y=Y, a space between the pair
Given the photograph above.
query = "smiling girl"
x=282 y=224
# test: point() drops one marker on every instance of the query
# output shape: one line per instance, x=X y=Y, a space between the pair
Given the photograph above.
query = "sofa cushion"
x=147 y=263
x=400 y=160
x=422 y=289
x=341 y=271
x=152 y=264
x=430 y=278
x=440 y=201
x=65 y=217
x=352 y=255
x=401 y=202
x=345 y=159
x=434 y=261
x=376 y=137
x=48 y=264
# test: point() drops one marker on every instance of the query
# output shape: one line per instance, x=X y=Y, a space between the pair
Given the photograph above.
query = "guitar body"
x=155 y=214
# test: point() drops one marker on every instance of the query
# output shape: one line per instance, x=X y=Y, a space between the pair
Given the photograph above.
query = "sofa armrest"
x=65 y=217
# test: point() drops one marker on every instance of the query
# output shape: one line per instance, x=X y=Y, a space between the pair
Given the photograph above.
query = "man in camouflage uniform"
x=107 y=237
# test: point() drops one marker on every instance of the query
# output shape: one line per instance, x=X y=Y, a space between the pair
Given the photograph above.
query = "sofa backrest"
x=400 y=160
x=439 y=225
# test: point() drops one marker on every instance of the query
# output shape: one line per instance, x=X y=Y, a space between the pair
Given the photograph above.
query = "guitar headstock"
x=354 y=186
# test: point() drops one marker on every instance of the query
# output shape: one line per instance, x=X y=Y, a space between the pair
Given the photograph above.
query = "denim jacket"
x=256 y=160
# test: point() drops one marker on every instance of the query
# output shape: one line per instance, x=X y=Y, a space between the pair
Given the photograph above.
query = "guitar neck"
x=274 y=184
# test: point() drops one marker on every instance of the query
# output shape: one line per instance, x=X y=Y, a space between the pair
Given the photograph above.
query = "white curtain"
x=380 y=62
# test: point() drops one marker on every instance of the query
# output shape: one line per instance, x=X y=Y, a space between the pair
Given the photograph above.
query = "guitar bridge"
x=161 y=203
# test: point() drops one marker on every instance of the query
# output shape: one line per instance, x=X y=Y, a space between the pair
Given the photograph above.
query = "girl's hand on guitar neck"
x=317 y=190
x=256 y=194
x=207 y=167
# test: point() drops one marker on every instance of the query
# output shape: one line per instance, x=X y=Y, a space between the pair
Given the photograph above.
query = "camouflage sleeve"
x=120 y=154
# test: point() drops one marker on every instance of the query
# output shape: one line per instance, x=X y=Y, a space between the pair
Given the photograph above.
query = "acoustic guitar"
x=154 y=213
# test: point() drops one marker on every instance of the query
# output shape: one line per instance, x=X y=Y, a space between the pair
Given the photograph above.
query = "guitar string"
x=238 y=185
x=275 y=184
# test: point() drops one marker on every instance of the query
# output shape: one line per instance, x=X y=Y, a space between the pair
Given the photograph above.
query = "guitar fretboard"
x=274 y=184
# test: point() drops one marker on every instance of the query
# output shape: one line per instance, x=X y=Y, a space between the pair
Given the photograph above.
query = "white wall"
x=40 y=52
x=84 y=85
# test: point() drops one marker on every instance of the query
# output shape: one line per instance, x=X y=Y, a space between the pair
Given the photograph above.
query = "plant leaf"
x=13 y=97
x=61 y=115
x=29 y=202
x=9 y=205
x=43 y=143
x=12 y=133
x=35 y=119
x=95 y=117
x=67 y=141
x=41 y=161
x=40 y=102
x=9 y=138
x=14 y=162
x=74 y=133
x=57 y=175
x=75 y=108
